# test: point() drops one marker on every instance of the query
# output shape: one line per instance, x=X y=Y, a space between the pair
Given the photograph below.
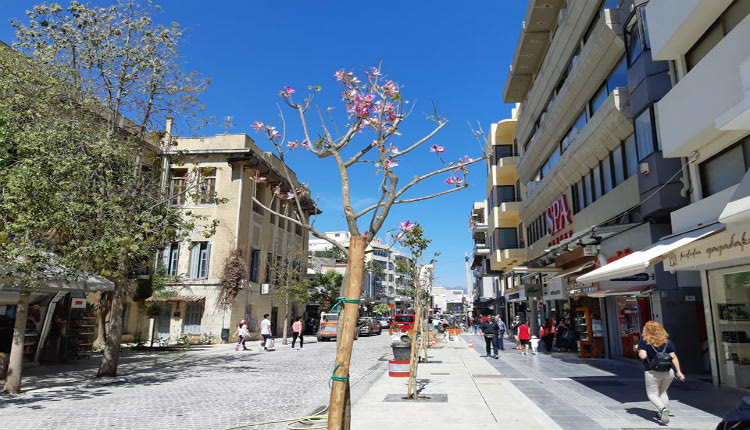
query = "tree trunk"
x=103 y=306
x=285 y=332
x=111 y=352
x=15 y=362
x=411 y=392
x=337 y=417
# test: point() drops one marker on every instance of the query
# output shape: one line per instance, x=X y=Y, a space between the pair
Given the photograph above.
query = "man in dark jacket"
x=490 y=330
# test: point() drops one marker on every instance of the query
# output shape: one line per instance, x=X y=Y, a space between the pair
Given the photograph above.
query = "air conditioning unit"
x=264 y=288
x=589 y=250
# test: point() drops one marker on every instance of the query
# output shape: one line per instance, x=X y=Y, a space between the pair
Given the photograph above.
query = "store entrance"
x=632 y=314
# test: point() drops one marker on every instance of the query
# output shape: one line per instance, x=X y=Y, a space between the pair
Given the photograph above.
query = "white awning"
x=527 y=269
x=656 y=252
x=738 y=209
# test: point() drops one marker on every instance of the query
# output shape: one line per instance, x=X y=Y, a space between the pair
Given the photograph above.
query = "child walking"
x=243 y=334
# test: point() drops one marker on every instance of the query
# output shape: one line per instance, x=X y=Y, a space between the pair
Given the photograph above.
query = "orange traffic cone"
x=471 y=345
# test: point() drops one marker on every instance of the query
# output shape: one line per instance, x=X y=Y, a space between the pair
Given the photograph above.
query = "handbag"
x=489 y=335
x=269 y=343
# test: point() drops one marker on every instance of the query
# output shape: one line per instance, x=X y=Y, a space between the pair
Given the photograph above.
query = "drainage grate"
x=441 y=373
x=494 y=375
x=428 y=398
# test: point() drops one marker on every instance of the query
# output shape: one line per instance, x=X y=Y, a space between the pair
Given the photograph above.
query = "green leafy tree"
x=381 y=309
x=325 y=289
x=96 y=197
x=332 y=252
x=289 y=276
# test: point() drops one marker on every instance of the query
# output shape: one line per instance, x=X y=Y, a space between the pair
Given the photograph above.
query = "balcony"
x=540 y=21
x=479 y=230
x=504 y=170
x=505 y=259
x=602 y=134
x=480 y=250
x=711 y=99
x=597 y=58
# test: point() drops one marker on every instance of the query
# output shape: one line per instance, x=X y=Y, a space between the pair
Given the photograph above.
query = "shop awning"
x=646 y=257
x=527 y=269
x=190 y=299
x=634 y=291
x=575 y=269
x=737 y=211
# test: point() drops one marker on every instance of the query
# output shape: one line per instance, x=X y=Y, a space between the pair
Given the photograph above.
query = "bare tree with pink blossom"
x=375 y=109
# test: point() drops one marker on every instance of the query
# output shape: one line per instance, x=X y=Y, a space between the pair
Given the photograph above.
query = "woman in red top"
x=524 y=334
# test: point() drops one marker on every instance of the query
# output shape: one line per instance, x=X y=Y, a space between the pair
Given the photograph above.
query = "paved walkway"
x=544 y=391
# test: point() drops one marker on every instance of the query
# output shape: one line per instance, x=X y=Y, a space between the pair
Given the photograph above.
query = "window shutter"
x=165 y=257
x=208 y=259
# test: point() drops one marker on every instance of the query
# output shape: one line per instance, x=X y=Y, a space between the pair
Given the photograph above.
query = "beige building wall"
x=242 y=225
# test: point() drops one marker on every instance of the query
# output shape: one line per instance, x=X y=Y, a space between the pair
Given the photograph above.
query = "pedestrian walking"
x=490 y=330
x=547 y=334
x=661 y=366
x=265 y=331
x=514 y=330
x=563 y=336
x=297 y=332
x=243 y=334
x=524 y=336
x=501 y=331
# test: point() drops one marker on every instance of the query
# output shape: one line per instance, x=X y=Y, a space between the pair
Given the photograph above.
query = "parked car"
x=369 y=326
x=384 y=322
x=402 y=322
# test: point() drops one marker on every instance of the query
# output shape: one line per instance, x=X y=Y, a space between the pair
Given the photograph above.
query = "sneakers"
x=495 y=357
x=664 y=416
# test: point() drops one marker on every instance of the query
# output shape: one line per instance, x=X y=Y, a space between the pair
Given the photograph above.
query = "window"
x=171 y=258
x=505 y=193
x=645 y=135
x=598 y=100
x=607 y=174
x=596 y=174
x=199 y=260
x=726 y=168
x=207 y=186
x=732 y=16
x=193 y=315
x=618 y=167
x=634 y=37
x=254 y=265
x=588 y=194
x=506 y=238
x=581 y=195
x=619 y=77
x=177 y=186
x=502 y=151
x=631 y=156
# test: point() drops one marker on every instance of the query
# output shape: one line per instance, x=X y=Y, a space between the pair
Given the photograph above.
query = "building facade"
x=226 y=179
x=596 y=183
x=703 y=123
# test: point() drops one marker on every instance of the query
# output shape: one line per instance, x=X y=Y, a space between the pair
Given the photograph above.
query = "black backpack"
x=662 y=362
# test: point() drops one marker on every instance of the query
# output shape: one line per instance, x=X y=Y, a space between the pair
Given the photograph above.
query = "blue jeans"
x=265 y=337
x=500 y=340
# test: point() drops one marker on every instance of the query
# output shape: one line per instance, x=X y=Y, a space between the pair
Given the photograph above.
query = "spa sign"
x=558 y=215
x=719 y=247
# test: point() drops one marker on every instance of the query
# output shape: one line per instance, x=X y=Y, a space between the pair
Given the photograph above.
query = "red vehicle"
x=402 y=322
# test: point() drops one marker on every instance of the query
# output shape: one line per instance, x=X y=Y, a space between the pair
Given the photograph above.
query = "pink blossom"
x=451 y=180
x=339 y=75
x=437 y=149
x=257 y=126
x=467 y=159
x=374 y=71
x=407 y=226
x=290 y=195
x=390 y=89
x=273 y=133
x=392 y=148
x=289 y=90
x=388 y=164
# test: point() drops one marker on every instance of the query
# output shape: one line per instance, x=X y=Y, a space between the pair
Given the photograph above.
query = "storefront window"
x=730 y=294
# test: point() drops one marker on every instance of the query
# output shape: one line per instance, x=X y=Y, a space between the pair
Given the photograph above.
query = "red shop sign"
x=558 y=215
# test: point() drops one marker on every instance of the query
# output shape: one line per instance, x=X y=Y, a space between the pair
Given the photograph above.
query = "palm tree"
x=326 y=289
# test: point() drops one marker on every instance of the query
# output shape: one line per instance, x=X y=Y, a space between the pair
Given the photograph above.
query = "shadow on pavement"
x=77 y=380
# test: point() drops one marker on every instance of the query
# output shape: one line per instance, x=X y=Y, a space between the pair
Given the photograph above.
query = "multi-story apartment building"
x=218 y=177
x=596 y=184
x=497 y=229
x=704 y=126
x=391 y=286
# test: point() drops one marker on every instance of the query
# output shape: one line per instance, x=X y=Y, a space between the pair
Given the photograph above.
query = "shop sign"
x=639 y=277
x=558 y=215
x=78 y=303
x=514 y=296
x=567 y=235
x=534 y=290
x=717 y=248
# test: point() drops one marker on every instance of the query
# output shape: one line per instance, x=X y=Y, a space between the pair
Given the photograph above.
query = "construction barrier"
x=398 y=368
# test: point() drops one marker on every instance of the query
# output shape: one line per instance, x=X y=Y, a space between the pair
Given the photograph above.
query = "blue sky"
x=453 y=55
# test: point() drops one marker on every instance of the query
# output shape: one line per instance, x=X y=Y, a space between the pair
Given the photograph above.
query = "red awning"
x=633 y=291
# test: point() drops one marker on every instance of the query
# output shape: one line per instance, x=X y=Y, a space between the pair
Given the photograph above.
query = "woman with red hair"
x=656 y=350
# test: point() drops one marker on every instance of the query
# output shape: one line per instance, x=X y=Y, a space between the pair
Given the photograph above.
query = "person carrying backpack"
x=661 y=366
